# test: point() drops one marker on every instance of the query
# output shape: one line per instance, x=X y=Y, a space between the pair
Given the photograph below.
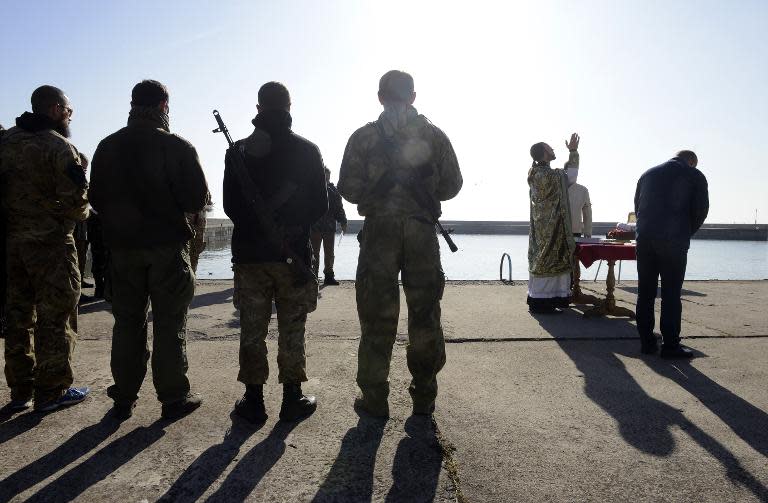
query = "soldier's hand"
x=573 y=145
x=344 y=227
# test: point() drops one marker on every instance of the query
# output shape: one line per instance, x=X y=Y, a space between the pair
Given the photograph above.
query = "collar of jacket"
x=150 y=117
x=274 y=122
x=394 y=118
x=679 y=161
x=33 y=122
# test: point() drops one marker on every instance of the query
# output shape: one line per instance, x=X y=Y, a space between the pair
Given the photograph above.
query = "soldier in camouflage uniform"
x=398 y=236
x=44 y=193
x=279 y=162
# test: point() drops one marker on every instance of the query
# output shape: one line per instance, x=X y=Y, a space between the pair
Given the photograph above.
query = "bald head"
x=689 y=157
x=396 y=87
x=45 y=97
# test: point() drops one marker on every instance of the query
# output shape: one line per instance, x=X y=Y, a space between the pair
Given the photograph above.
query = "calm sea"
x=479 y=256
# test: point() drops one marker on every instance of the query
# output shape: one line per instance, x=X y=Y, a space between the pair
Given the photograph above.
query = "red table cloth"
x=589 y=253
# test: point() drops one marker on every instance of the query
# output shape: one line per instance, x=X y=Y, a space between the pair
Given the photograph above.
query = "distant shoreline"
x=221 y=229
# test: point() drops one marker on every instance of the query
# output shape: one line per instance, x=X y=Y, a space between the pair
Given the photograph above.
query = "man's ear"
x=53 y=112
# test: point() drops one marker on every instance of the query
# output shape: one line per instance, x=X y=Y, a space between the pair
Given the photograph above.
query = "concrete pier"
x=220 y=229
x=546 y=408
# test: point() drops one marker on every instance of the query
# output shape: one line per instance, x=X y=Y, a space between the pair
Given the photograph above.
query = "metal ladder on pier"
x=509 y=280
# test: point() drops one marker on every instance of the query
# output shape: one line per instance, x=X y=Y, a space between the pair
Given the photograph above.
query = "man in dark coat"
x=324 y=232
x=143 y=180
x=671 y=203
x=287 y=172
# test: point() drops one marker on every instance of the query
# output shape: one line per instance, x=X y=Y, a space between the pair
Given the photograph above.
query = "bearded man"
x=42 y=179
x=550 y=240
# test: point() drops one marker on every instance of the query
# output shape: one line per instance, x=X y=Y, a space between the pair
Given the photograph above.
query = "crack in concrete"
x=451 y=465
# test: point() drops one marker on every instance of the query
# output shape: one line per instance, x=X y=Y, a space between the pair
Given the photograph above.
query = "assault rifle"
x=261 y=210
x=410 y=180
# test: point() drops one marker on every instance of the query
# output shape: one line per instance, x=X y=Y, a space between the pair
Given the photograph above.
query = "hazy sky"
x=638 y=81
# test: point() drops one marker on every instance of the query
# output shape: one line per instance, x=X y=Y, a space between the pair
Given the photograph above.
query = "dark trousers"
x=665 y=259
x=326 y=238
x=162 y=275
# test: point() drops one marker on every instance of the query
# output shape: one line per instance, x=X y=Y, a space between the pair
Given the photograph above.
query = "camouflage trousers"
x=162 y=275
x=388 y=246
x=43 y=290
x=256 y=285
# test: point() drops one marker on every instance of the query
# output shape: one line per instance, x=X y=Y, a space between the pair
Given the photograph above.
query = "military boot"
x=295 y=403
x=251 y=406
x=330 y=280
x=373 y=401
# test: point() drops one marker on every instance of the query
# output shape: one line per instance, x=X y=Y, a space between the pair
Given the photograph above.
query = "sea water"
x=479 y=258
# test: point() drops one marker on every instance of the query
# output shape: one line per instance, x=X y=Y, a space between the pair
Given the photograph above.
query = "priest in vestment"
x=550 y=240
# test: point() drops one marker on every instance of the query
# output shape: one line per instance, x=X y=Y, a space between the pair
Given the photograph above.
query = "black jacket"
x=671 y=202
x=276 y=158
x=143 y=180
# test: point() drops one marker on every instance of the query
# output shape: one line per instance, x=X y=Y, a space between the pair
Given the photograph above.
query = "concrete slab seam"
x=451 y=465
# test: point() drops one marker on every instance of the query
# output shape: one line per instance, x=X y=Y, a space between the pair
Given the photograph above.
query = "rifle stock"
x=259 y=209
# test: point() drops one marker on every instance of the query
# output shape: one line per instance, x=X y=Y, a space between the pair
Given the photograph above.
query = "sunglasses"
x=68 y=109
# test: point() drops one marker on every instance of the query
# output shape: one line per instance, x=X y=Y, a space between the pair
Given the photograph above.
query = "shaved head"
x=689 y=157
x=396 y=87
x=44 y=97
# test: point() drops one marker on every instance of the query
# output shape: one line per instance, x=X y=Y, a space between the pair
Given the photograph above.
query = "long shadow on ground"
x=101 y=464
x=213 y=298
x=77 y=480
x=644 y=422
x=351 y=476
x=70 y=451
x=418 y=459
x=747 y=421
x=209 y=466
x=12 y=425
x=252 y=468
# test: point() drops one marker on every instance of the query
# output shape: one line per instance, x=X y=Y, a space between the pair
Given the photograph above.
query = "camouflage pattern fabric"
x=550 y=242
x=398 y=237
x=256 y=285
x=44 y=186
x=43 y=192
x=43 y=290
x=197 y=244
x=421 y=143
x=388 y=246
x=161 y=274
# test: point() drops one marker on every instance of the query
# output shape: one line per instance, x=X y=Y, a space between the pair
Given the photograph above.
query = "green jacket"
x=143 y=181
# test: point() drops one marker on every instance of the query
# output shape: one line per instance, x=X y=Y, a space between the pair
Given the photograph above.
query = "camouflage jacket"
x=420 y=144
x=42 y=182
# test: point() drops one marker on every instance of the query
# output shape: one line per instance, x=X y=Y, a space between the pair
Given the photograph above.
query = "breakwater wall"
x=220 y=229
